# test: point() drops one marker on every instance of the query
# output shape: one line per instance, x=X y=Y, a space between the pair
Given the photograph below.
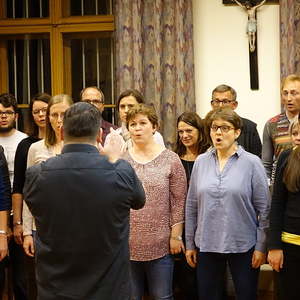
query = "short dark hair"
x=223 y=88
x=226 y=114
x=192 y=119
x=82 y=120
x=33 y=129
x=143 y=109
x=131 y=92
x=223 y=113
x=8 y=100
x=92 y=87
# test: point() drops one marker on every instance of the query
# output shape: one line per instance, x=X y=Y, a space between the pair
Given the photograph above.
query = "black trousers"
x=30 y=278
x=15 y=261
x=289 y=275
x=184 y=279
x=211 y=268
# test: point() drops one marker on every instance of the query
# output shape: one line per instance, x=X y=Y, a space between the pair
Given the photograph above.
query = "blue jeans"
x=211 y=270
x=159 y=276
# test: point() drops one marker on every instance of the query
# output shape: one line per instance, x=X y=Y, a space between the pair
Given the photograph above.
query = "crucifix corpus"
x=251 y=31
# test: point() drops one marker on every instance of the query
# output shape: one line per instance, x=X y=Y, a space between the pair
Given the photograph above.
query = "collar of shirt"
x=238 y=152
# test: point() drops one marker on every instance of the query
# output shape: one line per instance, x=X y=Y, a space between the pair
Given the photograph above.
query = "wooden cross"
x=251 y=7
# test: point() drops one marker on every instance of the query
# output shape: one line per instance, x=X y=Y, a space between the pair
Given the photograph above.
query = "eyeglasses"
x=93 y=101
x=38 y=111
x=223 y=128
x=7 y=113
x=57 y=115
x=292 y=93
x=224 y=101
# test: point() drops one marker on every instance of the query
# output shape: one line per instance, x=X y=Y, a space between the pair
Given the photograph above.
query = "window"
x=56 y=47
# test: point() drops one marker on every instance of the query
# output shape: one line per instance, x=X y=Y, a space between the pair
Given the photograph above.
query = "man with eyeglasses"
x=276 y=137
x=225 y=95
x=9 y=140
x=95 y=96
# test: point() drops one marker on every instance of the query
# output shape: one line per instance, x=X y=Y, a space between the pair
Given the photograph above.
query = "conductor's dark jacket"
x=81 y=204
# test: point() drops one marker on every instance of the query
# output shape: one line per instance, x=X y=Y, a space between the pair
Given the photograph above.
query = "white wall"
x=221 y=56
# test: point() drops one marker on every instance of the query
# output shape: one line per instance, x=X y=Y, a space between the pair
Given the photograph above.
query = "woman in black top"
x=284 y=233
x=191 y=141
x=5 y=206
x=37 y=125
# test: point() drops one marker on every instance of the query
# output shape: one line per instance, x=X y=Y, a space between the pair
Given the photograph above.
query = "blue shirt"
x=227 y=212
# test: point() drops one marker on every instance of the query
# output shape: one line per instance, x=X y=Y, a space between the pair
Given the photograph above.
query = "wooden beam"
x=88 y=19
x=4 y=88
x=25 y=22
x=86 y=27
x=68 y=66
x=2 y=8
x=55 y=11
x=12 y=30
x=57 y=62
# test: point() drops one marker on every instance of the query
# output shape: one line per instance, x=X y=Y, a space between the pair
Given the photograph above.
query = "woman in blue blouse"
x=226 y=212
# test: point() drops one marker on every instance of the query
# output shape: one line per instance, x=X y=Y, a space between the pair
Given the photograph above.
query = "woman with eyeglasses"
x=226 y=212
x=284 y=233
x=37 y=126
x=191 y=142
x=50 y=146
x=36 y=131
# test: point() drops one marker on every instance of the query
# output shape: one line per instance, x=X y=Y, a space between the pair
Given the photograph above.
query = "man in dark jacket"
x=81 y=202
x=225 y=95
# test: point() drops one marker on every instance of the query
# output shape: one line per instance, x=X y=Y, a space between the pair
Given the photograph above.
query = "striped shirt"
x=276 y=139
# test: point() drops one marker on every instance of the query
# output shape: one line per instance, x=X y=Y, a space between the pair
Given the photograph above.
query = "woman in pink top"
x=155 y=230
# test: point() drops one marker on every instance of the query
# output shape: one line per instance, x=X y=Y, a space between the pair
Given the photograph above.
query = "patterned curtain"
x=289 y=37
x=154 y=54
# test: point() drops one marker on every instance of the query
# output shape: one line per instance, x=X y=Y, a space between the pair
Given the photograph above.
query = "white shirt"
x=10 y=144
x=128 y=144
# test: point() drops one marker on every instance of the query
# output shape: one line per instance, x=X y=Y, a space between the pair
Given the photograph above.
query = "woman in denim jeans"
x=156 y=229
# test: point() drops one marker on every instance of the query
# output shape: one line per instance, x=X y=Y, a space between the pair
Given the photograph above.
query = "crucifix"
x=251 y=9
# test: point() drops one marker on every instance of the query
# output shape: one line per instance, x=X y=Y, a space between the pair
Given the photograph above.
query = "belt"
x=290 y=238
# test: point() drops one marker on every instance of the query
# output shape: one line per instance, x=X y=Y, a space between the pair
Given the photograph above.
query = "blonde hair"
x=289 y=78
x=294 y=123
x=50 y=137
